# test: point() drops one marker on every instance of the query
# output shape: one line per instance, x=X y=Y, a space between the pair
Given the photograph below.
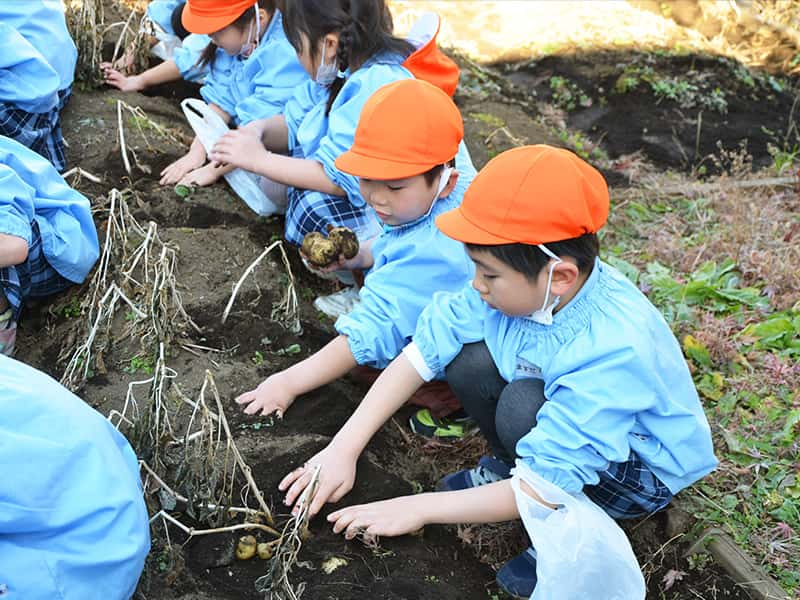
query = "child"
x=37 y=66
x=562 y=361
x=406 y=174
x=261 y=79
x=48 y=240
x=74 y=524
x=347 y=46
x=180 y=50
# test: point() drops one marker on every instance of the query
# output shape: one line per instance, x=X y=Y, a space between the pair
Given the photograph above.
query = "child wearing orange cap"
x=563 y=362
x=410 y=172
x=256 y=84
x=349 y=49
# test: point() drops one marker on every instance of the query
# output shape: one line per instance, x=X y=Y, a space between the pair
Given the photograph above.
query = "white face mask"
x=250 y=45
x=544 y=315
x=327 y=74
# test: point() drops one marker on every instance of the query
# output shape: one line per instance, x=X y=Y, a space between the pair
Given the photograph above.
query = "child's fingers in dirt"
x=322 y=496
x=296 y=482
x=290 y=479
x=245 y=398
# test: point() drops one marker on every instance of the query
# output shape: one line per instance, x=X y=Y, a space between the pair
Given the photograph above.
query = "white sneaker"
x=339 y=303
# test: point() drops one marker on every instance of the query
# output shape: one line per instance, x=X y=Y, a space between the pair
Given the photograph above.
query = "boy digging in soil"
x=563 y=362
x=48 y=240
x=406 y=174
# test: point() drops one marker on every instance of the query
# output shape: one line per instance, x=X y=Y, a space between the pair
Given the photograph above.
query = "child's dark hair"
x=177 y=23
x=432 y=176
x=364 y=27
x=530 y=260
x=209 y=54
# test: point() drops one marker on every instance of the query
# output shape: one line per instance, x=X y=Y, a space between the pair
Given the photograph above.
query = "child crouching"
x=563 y=362
x=407 y=175
x=48 y=240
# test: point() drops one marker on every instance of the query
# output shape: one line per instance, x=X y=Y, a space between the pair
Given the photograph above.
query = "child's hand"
x=273 y=395
x=176 y=171
x=336 y=477
x=114 y=78
x=240 y=148
x=397 y=516
x=202 y=177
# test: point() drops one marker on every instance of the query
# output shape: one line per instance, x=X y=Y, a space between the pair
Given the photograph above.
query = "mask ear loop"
x=444 y=179
x=552 y=255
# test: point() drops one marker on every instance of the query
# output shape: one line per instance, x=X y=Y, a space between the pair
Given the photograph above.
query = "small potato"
x=264 y=551
x=345 y=239
x=323 y=252
x=246 y=548
x=310 y=240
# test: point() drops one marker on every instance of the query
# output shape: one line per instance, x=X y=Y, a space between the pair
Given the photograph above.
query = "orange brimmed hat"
x=210 y=16
x=530 y=195
x=406 y=128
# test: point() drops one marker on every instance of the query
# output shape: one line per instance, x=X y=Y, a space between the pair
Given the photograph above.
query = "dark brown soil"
x=621 y=108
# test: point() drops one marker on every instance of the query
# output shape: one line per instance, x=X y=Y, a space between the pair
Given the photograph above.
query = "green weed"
x=140 y=363
x=568 y=95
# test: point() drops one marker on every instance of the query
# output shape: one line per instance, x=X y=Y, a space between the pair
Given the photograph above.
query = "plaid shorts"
x=41 y=132
x=32 y=279
x=310 y=210
x=629 y=490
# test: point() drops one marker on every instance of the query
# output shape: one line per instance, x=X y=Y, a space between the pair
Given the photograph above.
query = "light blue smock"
x=27 y=81
x=43 y=24
x=31 y=189
x=160 y=13
x=614 y=378
x=324 y=138
x=259 y=86
x=412 y=262
x=187 y=54
x=73 y=523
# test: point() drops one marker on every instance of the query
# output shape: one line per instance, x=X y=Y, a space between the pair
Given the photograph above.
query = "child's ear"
x=565 y=274
x=451 y=184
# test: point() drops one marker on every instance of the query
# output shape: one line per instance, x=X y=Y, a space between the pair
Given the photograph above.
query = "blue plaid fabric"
x=41 y=132
x=310 y=210
x=629 y=490
x=32 y=279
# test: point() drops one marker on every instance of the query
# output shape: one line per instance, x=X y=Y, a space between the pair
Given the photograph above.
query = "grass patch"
x=717 y=266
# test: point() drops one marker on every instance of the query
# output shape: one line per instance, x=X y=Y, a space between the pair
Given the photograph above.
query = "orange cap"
x=406 y=128
x=211 y=16
x=430 y=64
x=530 y=195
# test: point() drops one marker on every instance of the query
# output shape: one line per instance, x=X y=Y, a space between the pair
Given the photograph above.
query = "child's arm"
x=338 y=459
x=485 y=504
x=13 y=250
x=242 y=149
x=165 y=72
x=278 y=391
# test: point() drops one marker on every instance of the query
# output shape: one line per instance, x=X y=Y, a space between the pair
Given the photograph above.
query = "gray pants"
x=505 y=411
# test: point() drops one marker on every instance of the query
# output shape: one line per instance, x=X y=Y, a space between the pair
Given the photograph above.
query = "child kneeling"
x=48 y=240
x=405 y=175
x=562 y=361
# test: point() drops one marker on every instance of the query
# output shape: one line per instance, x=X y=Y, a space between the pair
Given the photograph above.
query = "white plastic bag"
x=209 y=127
x=581 y=553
